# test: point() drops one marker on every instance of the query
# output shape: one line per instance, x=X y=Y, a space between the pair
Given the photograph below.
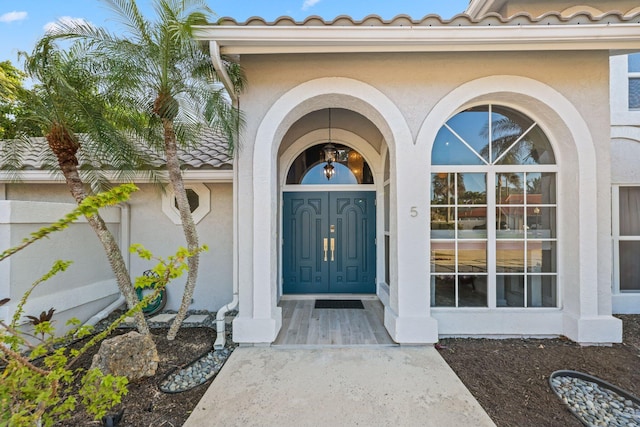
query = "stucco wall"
x=152 y=228
x=625 y=153
x=416 y=83
x=78 y=243
x=71 y=293
x=149 y=226
x=536 y=8
x=39 y=192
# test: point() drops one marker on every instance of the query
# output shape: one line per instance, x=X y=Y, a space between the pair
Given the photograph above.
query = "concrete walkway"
x=356 y=386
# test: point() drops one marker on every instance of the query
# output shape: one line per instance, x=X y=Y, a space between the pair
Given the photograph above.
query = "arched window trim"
x=492 y=171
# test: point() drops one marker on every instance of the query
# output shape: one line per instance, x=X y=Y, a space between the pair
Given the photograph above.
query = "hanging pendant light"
x=330 y=153
x=329 y=170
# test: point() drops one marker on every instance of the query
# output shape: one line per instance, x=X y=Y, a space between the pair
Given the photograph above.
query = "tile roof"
x=495 y=19
x=210 y=153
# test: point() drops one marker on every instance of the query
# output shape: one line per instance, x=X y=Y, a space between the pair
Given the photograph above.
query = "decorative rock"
x=198 y=372
x=595 y=405
x=131 y=355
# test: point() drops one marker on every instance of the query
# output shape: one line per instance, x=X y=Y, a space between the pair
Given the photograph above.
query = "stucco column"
x=407 y=317
x=586 y=318
x=259 y=319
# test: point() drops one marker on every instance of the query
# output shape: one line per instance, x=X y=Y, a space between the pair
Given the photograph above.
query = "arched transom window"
x=348 y=167
x=493 y=212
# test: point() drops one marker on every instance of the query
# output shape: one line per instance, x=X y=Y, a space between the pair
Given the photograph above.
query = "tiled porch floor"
x=302 y=324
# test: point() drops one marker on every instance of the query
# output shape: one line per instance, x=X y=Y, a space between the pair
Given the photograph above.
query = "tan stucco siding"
x=149 y=226
x=152 y=228
x=416 y=82
x=77 y=243
x=625 y=153
x=537 y=8
x=39 y=192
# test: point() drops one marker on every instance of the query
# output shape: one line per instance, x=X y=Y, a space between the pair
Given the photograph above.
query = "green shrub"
x=37 y=384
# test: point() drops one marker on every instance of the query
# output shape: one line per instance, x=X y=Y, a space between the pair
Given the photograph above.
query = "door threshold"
x=293 y=297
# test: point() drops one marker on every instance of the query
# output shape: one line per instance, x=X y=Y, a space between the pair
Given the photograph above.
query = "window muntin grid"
x=493 y=245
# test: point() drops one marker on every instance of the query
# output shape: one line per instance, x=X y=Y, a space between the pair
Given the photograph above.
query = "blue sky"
x=22 y=22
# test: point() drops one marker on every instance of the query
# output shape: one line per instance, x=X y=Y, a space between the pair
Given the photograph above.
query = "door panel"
x=353 y=216
x=329 y=242
x=305 y=224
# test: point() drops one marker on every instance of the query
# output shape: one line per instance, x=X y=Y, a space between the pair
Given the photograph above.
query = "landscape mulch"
x=145 y=405
x=509 y=377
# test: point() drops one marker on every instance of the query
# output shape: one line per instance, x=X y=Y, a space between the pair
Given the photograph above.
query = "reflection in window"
x=489 y=135
x=628 y=239
x=350 y=167
x=496 y=224
x=634 y=81
x=459 y=239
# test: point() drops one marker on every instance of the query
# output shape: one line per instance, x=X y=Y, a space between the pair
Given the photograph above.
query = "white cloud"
x=309 y=3
x=13 y=16
x=66 y=20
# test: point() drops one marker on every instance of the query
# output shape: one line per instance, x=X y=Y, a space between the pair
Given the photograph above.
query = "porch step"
x=196 y=318
x=164 y=317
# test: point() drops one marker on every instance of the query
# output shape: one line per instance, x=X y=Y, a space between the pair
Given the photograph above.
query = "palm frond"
x=130 y=16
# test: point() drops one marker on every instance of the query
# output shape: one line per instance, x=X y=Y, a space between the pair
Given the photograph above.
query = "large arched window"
x=493 y=212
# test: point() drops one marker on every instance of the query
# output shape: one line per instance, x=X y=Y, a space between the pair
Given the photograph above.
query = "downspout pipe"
x=221 y=338
x=218 y=65
x=220 y=316
x=125 y=242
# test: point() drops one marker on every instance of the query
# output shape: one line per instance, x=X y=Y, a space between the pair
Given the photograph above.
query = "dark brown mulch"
x=145 y=405
x=510 y=377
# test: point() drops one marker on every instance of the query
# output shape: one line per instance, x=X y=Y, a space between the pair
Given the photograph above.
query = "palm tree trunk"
x=188 y=225
x=114 y=255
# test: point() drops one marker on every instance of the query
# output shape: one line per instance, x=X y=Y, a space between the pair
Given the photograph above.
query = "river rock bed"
x=198 y=372
x=596 y=405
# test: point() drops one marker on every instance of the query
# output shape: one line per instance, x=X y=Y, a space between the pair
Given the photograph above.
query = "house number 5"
x=414 y=211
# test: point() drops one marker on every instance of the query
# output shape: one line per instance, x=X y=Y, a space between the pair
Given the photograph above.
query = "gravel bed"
x=198 y=372
x=595 y=405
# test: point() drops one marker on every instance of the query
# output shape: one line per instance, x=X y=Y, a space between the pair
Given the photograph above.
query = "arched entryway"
x=279 y=138
x=329 y=222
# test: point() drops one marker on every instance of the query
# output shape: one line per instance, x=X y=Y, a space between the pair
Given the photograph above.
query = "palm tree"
x=72 y=114
x=445 y=191
x=169 y=78
x=506 y=131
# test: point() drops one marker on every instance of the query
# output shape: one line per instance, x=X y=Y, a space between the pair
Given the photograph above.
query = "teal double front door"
x=329 y=243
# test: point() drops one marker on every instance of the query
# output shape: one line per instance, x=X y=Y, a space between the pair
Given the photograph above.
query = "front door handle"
x=333 y=248
x=326 y=247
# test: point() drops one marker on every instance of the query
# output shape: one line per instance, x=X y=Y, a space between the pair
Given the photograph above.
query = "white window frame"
x=204 y=203
x=619 y=92
x=631 y=75
x=491 y=172
x=616 y=238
